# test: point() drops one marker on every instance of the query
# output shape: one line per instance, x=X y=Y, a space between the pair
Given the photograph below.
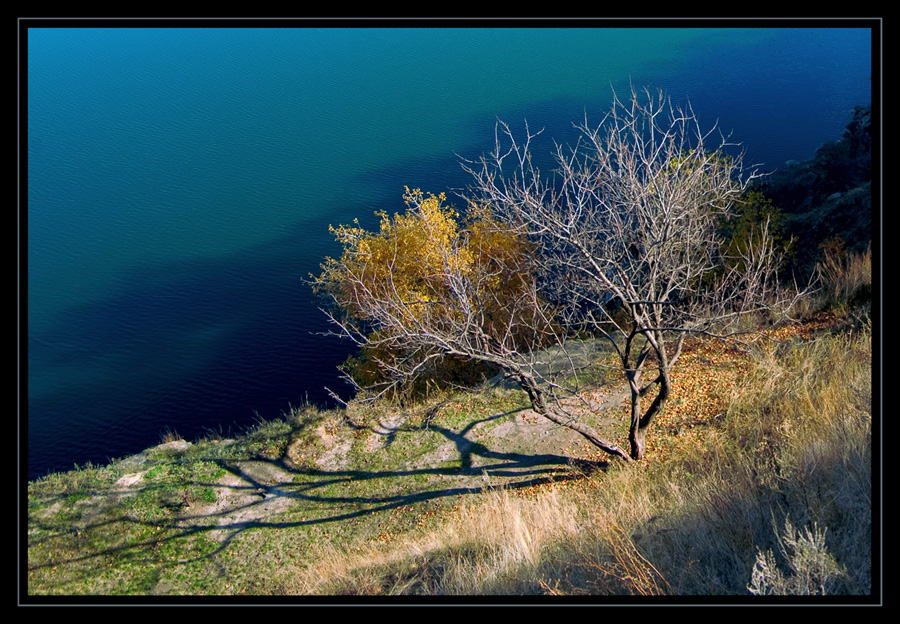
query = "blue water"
x=181 y=183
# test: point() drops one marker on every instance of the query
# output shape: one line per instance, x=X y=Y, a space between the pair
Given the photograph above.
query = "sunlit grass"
x=774 y=435
x=789 y=439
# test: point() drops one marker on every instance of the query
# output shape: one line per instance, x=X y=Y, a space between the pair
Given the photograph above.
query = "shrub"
x=812 y=570
x=424 y=270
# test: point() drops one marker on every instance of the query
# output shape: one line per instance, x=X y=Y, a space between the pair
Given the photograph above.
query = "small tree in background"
x=402 y=263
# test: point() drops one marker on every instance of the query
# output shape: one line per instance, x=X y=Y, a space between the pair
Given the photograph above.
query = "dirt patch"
x=255 y=489
x=514 y=447
x=383 y=432
x=528 y=433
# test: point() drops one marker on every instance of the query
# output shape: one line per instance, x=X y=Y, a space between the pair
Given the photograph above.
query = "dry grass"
x=758 y=481
x=846 y=277
x=783 y=436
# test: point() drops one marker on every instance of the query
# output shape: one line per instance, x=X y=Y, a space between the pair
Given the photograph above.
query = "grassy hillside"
x=758 y=481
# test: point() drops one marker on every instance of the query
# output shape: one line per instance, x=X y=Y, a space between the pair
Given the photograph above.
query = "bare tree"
x=628 y=236
x=420 y=290
x=623 y=242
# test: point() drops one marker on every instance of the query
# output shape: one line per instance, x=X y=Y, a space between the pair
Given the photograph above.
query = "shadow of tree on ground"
x=276 y=494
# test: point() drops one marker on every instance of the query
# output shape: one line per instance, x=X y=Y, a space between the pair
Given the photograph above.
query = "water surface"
x=181 y=182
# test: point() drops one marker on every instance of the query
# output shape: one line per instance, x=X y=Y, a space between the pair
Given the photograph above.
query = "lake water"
x=180 y=184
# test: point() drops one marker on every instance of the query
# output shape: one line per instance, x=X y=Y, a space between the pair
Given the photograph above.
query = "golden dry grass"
x=784 y=432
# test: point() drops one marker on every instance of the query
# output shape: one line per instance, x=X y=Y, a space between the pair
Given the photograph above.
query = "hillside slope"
x=829 y=195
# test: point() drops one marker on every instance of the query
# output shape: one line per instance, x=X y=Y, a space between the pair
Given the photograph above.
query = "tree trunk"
x=640 y=423
x=637 y=435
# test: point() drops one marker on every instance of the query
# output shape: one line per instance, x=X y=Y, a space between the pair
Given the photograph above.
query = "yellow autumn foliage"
x=430 y=271
x=406 y=261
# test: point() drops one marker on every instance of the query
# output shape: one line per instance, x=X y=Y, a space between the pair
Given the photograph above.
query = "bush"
x=813 y=571
x=742 y=228
x=421 y=272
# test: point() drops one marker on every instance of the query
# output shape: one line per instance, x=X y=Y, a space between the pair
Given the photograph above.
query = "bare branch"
x=629 y=235
x=623 y=242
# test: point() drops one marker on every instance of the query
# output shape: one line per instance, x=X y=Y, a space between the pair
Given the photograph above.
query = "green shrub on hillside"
x=751 y=212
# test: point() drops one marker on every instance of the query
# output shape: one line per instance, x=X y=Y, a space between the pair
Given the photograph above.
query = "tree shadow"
x=265 y=493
